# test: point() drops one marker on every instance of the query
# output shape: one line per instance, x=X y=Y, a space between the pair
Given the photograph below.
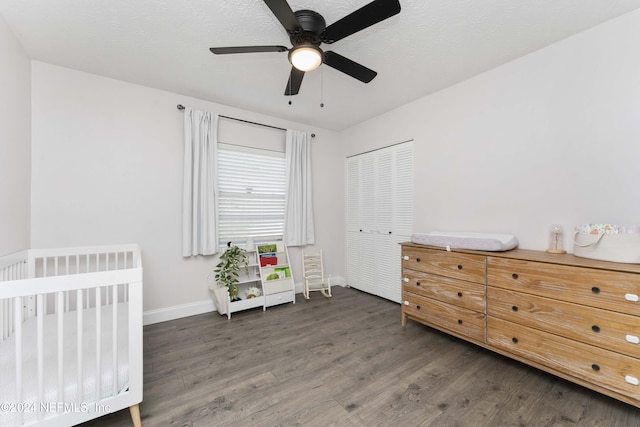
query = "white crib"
x=70 y=335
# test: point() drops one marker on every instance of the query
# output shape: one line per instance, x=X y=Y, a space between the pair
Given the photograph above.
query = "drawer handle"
x=417 y=283
x=515 y=340
x=417 y=259
x=632 y=339
x=515 y=275
x=417 y=307
x=514 y=308
x=406 y=303
x=631 y=297
x=595 y=290
x=459 y=322
x=631 y=380
x=459 y=267
x=595 y=367
x=595 y=328
x=405 y=280
x=460 y=294
x=406 y=257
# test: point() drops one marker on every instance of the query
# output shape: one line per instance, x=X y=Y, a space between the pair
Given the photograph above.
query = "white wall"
x=107 y=168
x=553 y=137
x=15 y=142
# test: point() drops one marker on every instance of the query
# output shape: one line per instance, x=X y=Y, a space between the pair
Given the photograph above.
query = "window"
x=251 y=194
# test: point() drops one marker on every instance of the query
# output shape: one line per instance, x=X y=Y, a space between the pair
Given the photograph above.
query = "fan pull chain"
x=289 y=89
x=321 y=86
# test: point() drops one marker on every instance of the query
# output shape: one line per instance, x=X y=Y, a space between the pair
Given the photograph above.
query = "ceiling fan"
x=307 y=30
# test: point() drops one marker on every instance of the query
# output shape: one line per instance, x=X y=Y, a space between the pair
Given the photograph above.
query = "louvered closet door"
x=379 y=217
x=353 y=220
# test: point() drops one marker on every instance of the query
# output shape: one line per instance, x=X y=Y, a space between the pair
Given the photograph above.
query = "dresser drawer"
x=453 y=291
x=610 y=370
x=602 y=328
x=597 y=288
x=459 y=320
x=467 y=267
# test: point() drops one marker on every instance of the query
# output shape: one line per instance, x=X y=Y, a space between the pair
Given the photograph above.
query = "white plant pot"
x=220 y=298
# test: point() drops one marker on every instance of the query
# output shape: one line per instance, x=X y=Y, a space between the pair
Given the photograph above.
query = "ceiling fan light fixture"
x=306 y=57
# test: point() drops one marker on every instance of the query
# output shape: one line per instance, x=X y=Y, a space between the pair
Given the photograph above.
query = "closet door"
x=361 y=222
x=353 y=221
x=379 y=217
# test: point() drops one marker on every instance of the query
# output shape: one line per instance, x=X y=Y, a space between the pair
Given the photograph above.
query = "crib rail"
x=36 y=263
x=66 y=261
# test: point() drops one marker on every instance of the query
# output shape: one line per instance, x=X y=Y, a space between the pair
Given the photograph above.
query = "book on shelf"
x=266 y=260
x=279 y=273
x=270 y=248
x=286 y=272
x=268 y=254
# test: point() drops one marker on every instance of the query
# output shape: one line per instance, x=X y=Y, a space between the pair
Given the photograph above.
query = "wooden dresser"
x=576 y=318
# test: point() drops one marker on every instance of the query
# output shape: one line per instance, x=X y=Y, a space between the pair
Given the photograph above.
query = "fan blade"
x=366 y=16
x=285 y=15
x=349 y=67
x=295 y=80
x=247 y=49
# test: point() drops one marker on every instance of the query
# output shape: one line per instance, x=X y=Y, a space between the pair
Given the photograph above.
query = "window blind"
x=251 y=194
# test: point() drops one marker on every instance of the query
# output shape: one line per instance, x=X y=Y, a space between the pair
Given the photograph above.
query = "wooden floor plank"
x=345 y=361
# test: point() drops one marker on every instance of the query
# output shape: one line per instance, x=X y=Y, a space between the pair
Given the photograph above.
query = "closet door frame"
x=379 y=216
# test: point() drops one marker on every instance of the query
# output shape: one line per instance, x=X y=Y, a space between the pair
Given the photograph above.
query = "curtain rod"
x=313 y=135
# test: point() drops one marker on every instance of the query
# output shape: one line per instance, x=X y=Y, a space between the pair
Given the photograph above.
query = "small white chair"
x=314 y=278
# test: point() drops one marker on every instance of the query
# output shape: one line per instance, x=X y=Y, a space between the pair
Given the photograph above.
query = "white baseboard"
x=177 y=311
x=206 y=306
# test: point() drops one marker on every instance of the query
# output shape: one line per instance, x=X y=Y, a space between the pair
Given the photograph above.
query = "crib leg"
x=135 y=415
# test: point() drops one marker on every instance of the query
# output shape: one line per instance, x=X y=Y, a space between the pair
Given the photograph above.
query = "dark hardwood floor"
x=345 y=361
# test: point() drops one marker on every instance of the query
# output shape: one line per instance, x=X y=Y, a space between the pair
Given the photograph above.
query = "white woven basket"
x=608 y=247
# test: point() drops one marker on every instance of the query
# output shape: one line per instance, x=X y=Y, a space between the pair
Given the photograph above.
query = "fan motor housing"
x=313 y=25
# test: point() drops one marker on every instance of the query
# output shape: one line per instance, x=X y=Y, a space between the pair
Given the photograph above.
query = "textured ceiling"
x=164 y=44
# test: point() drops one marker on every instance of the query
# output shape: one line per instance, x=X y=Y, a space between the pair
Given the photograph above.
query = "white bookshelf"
x=276 y=274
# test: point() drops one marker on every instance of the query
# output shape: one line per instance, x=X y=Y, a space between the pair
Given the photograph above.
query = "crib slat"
x=40 y=349
x=18 y=331
x=114 y=360
x=98 y=395
x=4 y=315
x=80 y=368
x=41 y=313
x=60 y=315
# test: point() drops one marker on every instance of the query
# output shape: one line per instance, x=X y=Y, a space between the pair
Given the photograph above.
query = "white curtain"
x=298 y=219
x=199 y=213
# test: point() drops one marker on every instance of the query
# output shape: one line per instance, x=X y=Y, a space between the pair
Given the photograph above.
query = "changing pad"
x=467 y=240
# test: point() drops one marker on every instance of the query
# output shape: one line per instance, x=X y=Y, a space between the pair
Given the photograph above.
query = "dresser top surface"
x=541 y=256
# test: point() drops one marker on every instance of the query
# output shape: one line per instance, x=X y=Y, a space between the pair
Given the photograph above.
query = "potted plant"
x=228 y=269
